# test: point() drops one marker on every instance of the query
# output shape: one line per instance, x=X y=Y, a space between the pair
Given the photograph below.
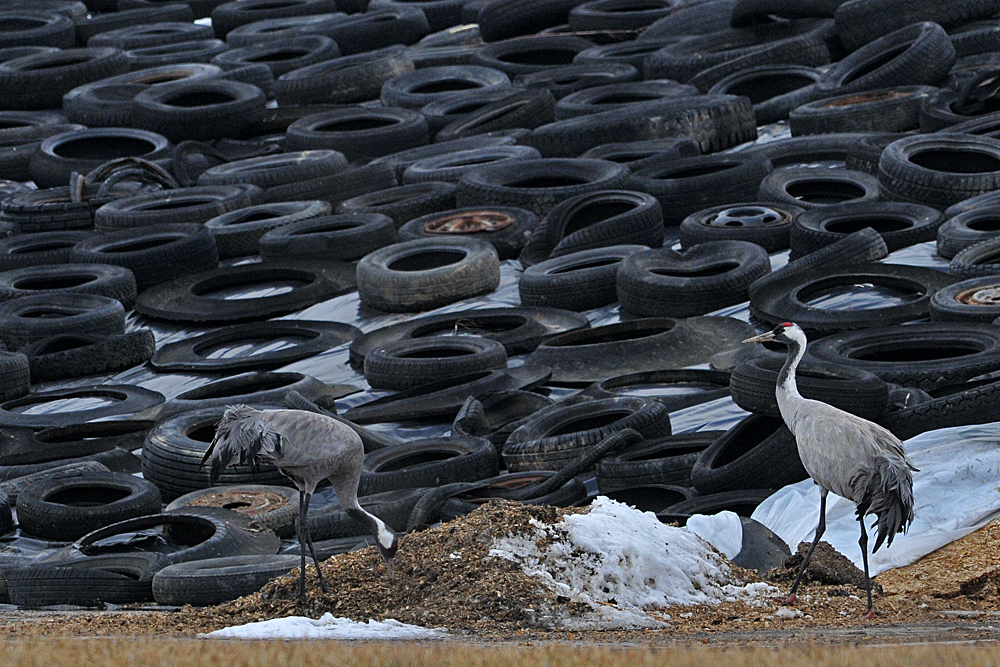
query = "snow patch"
x=626 y=564
x=326 y=627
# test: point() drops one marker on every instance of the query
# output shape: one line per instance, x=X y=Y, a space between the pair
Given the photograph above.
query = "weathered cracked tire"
x=79 y=355
x=428 y=463
x=213 y=581
x=409 y=363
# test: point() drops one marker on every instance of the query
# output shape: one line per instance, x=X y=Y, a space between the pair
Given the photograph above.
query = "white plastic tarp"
x=956 y=492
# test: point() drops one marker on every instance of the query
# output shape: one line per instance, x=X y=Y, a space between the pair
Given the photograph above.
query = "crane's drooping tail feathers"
x=887 y=492
x=242 y=436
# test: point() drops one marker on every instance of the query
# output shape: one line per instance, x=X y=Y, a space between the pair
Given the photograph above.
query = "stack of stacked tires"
x=544 y=214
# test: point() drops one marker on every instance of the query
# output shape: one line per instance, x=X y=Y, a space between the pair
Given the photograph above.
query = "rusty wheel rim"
x=987 y=295
x=469 y=222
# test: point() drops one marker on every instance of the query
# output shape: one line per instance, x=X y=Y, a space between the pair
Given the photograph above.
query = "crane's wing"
x=243 y=436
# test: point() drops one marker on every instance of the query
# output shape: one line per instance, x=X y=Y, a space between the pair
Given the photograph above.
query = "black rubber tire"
x=511 y=485
x=759 y=452
x=230 y=15
x=618 y=17
x=359 y=132
x=189 y=299
x=676 y=388
x=336 y=188
x=503 y=19
x=518 y=110
x=346 y=237
x=926 y=356
x=857 y=248
x=269 y=171
x=810 y=188
x=530 y=54
x=774 y=90
x=273 y=507
x=409 y=363
x=560 y=434
x=427 y=273
x=103 y=279
x=213 y=581
x=939 y=169
x=172 y=453
x=860 y=392
x=637 y=154
x=450 y=167
x=596 y=220
x=198 y=51
x=900 y=225
x=715 y=122
x=403 y=203
x=763 y=223
x=750 y=12
x=202 y=108
x=861 y=21
x=182 y=205
x=84 y=582
x=40 y=248
x=666 y=460
x=788 y=300
x=650 y=497
x=971 y=403
x=973 y=300
x=578 y=281
x=238 y=232
x=742 y=502
x=812 y=50
x=377 y=28
x=428 y=463
x=64 y=509
x=441 y=14
x=282 y=56
x=707 y=277
x=115 y=399
x=686 y=186
x=967 y=229
x=505 y=228
x=863 y=154
x=976 y=260
x=31 y=27
x=537 y=185
x=94 y=24
x=919 y=54
x=415 y=89
x=830 y=149
x=15 y=377
x=151 y=34
x=31 y=318
x=84 y=150
x=344 y=80
x=40 y=81
x=584 y=73
x=518 y=329
x=154 y=253
x=885 y=110
x=76 y=441
x=48 y=210
x=617 y=96
x=69 y=356
x=305 y=339
x=393 y=507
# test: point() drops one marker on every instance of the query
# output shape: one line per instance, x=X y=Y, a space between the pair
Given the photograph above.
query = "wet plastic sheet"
x=955 y=493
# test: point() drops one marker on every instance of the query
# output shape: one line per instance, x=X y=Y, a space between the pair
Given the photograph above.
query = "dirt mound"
x=827 y=566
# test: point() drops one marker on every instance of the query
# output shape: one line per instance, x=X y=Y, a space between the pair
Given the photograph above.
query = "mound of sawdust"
x=969 y=566
x=827 y=566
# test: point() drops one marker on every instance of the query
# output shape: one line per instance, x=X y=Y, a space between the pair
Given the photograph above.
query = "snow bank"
x=326 y=627
x=625 y=564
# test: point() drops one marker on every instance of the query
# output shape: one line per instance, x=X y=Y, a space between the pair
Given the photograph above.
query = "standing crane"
x=306 y=448
x=843 y=453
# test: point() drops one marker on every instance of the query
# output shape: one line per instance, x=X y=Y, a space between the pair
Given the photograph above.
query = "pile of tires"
x=531 y=230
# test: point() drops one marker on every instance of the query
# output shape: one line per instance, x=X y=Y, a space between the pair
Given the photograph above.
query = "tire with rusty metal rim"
x=505 y=227
x=974 y=300
x=886 y=110
x=427 y=273
x=765 y=223
x=409 y=363
x=274 y=507
x=967 y=229
x=344 y=237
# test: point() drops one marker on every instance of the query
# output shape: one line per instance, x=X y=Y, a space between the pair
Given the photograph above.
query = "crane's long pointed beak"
x=763 y=338
x=392 y=569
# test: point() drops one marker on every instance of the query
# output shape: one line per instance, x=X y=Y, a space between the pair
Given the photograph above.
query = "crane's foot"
x=870 y=616
x=790 y=600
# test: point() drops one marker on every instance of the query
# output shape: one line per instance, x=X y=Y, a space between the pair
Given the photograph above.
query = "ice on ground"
x=626 y=564
x=326 y=627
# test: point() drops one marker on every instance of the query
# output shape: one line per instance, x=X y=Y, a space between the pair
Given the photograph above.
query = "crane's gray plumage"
x=843 y=453
x=307 y=448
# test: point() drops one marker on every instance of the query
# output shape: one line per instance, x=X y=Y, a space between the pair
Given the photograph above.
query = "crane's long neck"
x=348 y=500
x=786 y=391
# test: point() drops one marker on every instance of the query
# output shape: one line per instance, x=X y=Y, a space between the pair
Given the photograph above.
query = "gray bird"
x=843 y=453
x=307 y=448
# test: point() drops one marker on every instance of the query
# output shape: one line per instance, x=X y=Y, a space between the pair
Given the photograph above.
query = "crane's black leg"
x=864 y=557
x=312 y=549
x=820 y=529
x=301 y=529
